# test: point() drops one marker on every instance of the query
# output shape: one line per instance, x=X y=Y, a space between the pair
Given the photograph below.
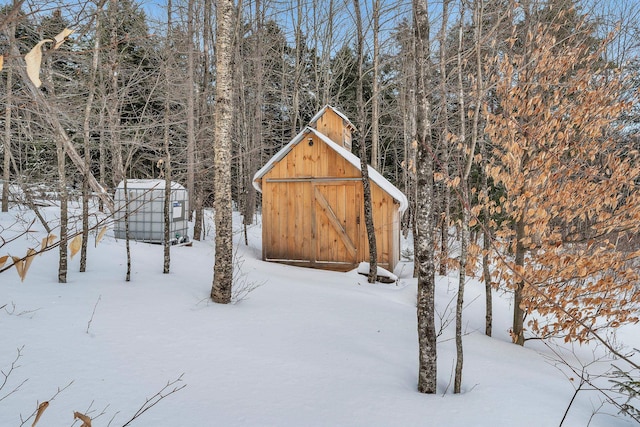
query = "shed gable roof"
x=374 y=175
x=340 y=114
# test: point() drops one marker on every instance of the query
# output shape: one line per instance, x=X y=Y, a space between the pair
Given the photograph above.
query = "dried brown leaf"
x=47 y=241
x=75 y=245
x=19 y=266
x=86 y=421
x=60 y=38
x=27 y=261
x=33 y=60
x=100 y=235
x=41 y=409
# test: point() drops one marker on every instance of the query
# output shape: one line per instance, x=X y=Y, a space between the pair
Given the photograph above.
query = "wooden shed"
x=312 y=202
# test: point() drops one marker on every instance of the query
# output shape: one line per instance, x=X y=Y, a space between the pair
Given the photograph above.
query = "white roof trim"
x=340 y=114
x=374 y=175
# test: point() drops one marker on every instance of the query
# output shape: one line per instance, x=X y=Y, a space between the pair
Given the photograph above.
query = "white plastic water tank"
x=146 y=211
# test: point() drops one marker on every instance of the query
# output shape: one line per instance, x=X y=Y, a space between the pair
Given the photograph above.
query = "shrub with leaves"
x=570 y=189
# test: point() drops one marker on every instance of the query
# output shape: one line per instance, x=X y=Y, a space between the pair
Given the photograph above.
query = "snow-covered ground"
x=305 y=348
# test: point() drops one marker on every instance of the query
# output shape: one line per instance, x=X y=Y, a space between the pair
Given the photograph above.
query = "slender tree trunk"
x=62 y=188
x=62 y=194
x=86 y=134
x=102 y=150
x=464 y=195
x=326 y=55
x=424 y=254
x=486 y=246
x=167 y=203
x=64 y=199
x=375 y=102
x=204 y=134
x=362 y=124
x=476 y=137
x=223 y=267
x=518 y=311
x=255 y=137
x=6 y=177
x=127 y=238
x=486 y=275
x=112 y=105
x=298 y=71
x=191 y=109
x=445 y=197
x=167 y=162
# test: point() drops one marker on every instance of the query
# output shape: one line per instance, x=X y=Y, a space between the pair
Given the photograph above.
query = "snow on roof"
x=374 y=175
x=149 y=184
x=321 y=112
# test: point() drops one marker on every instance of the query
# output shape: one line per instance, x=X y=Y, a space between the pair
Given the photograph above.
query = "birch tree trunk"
x=424 y=252
x=167 y=161
x=127 y=240
x=62 y=189
x=223 y=267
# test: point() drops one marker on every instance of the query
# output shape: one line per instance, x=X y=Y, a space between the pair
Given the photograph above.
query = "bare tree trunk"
x=255 y=136
x=167 y=162
x=62 y=194
x=326 y=55
x=127 y=239
x=375 y=102
x=86 y=134
x=62 y=188
x=191 y=108
x=444 y=141
x=112 y=105
x=362 y=124
x=167 y=201
x=486 y=246
x=298 y=70
x=204 y=133
x=518 y=312
x=7 y=130
x=464 y=196
x=102 y=150
x=424 y=254
x=223 y=267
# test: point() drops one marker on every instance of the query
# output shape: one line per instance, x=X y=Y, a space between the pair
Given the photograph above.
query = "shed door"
x=335 y=221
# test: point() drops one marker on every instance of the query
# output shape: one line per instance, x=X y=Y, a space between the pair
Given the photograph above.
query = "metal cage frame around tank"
x=146 y=211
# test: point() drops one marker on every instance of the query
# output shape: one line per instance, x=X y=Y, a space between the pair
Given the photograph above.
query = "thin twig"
x=33 y=414
x=93 y=313
x=156 y=398
x=14 y=365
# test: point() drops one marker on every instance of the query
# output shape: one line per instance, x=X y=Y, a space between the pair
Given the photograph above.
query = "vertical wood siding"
x=313 y=212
